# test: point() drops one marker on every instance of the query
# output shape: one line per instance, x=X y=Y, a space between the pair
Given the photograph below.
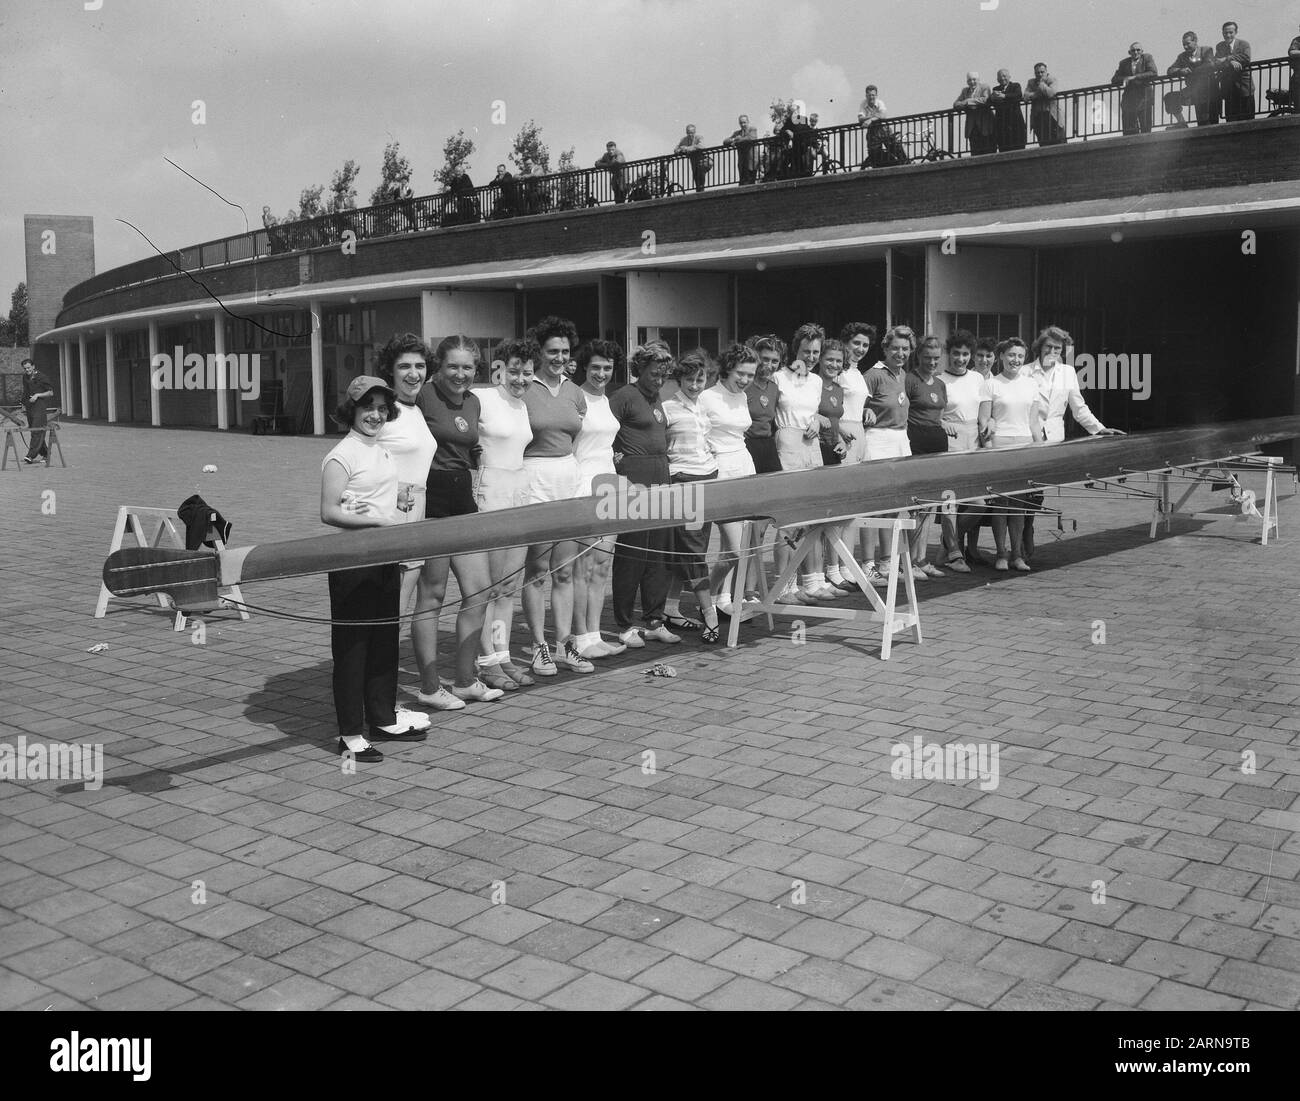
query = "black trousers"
x=365 y=657
x=640 y=557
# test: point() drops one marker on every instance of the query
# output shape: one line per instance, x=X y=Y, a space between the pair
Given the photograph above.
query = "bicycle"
x=933 y=153
x=654 y=184
x=884 y=147
x=1282 y=102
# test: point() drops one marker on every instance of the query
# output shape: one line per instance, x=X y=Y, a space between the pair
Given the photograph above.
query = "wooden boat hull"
x=808 y=496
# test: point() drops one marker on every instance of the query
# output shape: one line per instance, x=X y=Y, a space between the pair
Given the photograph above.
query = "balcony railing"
x=1090 y=113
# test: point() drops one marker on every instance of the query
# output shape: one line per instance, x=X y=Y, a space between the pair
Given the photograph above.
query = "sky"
x=93 y=101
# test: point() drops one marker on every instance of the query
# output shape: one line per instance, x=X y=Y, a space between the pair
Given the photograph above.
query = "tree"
x=309 y=202
x=396 y=177
x=781 y=108
x=456 y=152
x=343 y=191
x=528 y=143
x=565 y=163
x=18 y=316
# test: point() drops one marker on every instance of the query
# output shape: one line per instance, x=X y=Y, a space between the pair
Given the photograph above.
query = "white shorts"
x=417 y=492
x=735 y=464
x=857 y=452
x=1011 y=441
x=967 y=438
x=887 y=443
x=589 y=472
x=554 y=479
x=498 y=489
x=797 y=453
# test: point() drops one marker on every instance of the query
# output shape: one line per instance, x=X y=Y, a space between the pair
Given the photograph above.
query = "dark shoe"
x=370 y=753
x=848 y=586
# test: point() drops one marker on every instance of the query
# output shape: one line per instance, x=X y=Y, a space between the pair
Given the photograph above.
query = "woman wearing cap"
x=359 y=490
x=403 y=363
x=598 y=362
x=452 y=409
x=1009 y=408
x=503 y=433
x=727 y=407
x=555 y=410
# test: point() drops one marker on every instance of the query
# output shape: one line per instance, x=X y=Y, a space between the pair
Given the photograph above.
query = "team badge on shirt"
x=934 y=398
x=763 y=401
x=902 y=399
x=835 y=401
x=462 y=425
x=659 y=416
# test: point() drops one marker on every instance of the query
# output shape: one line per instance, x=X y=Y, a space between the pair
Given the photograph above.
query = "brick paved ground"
x=1119 y=763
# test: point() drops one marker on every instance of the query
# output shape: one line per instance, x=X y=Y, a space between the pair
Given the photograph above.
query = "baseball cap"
x=360 y=386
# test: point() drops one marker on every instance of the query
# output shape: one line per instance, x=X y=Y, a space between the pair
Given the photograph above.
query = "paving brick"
x=298 y=992
x=832 y=981
x=502 y=924
x=893 y=995
x=1035 y=997
x=1027 y=961
x=892 y=959
x=951 y=940
x=1178 y=997
x=470 y=957
x=967 y=983
x=750 y=995
x=1257 y=983
x=530 y=978
x=1102 y=980
x=1189 y=966
x=620 y=958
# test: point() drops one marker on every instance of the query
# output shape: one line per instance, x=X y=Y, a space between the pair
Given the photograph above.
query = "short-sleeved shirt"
x=832 y=408
x=503 y=430
x=869 y=113
x=729 y=418
x=762 y=398
x=963 y=397
x=688 y=437
x=800 y=395
x=556 y=418
x=372 y=474
x=410 y=443
x=926 y=401
x=1013 y=402
x=887 y=396
x=642 y=426
x=454 y=424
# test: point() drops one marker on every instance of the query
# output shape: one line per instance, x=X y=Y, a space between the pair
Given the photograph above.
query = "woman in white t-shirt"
x=502 y=482
x=404 y=364
x=359 y=490
x=857 y=338
x=1009 y=408
x=960 y=421
x=726 y=404
x=598 y=363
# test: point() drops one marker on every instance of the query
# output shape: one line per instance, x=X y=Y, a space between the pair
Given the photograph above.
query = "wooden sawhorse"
x=883 y=611
x=131 y=518
x=51 y=431
x=1243 y=508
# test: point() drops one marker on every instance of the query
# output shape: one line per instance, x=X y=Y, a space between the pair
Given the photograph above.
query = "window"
x=999 y=326
x=680 y=340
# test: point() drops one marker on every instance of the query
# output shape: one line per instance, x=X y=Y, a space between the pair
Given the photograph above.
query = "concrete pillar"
x=110 y=372
x=317 y=370
x=222 y=383
x=63 y=379
x=85 y=375
x=155 y=395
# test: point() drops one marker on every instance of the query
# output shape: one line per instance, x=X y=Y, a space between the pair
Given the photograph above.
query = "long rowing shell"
x=192 y=578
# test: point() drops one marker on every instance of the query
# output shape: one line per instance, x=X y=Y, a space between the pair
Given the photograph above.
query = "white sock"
x=834 y=574
x=355 y=742
x=812 y=580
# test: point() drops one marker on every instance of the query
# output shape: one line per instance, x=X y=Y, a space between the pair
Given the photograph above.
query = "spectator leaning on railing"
x=1232 y=62
x=1135 y=75
x=613 y=161
x=745 y=139
x=871 y=107
x=1009 y=120
x=974 y=101
x=1200 y=89
x=1047 y=114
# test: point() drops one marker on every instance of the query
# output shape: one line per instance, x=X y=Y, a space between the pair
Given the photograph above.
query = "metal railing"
x=1089 y=113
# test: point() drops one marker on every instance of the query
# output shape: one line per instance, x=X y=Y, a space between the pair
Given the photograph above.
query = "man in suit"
x=1200 y=88
x=1046 y=113
x=1136 y=75
x=974 y=101
x=613 y=160
x=1008 y=117
x=507 y=204
x=1232 y=63
x=745 y=139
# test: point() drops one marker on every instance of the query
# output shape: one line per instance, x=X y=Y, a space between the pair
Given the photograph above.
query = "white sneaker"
x=574 y=661
x=441 y=700
x=413 y=720
x=725 y=607
x=478 y=692
x=542 y=664
x=631 y=638
x=609 y=649
x=875 y=576
x=918 y=574
x=661 y=634
x=828 y=592
x=931 y=570
x=958 y=565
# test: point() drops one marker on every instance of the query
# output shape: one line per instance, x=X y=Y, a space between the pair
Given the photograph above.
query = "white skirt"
x=498 y=489
x=797 y=453
x=887 y=443
x=553 y=478
x=735 y=464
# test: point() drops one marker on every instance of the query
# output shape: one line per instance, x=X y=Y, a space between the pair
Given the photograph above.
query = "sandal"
x=710 y=635
x=521 y=677
x=498 y=679
x=679 y=623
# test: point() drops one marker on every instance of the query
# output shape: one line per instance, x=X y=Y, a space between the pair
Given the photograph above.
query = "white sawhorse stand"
x=131 y=518
x=1244 y=508
x=883 y=611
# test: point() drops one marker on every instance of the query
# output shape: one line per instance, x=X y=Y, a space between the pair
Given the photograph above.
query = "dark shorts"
x=926 y=439
x=763 y=451
x=690 y=546
x=449 y=493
